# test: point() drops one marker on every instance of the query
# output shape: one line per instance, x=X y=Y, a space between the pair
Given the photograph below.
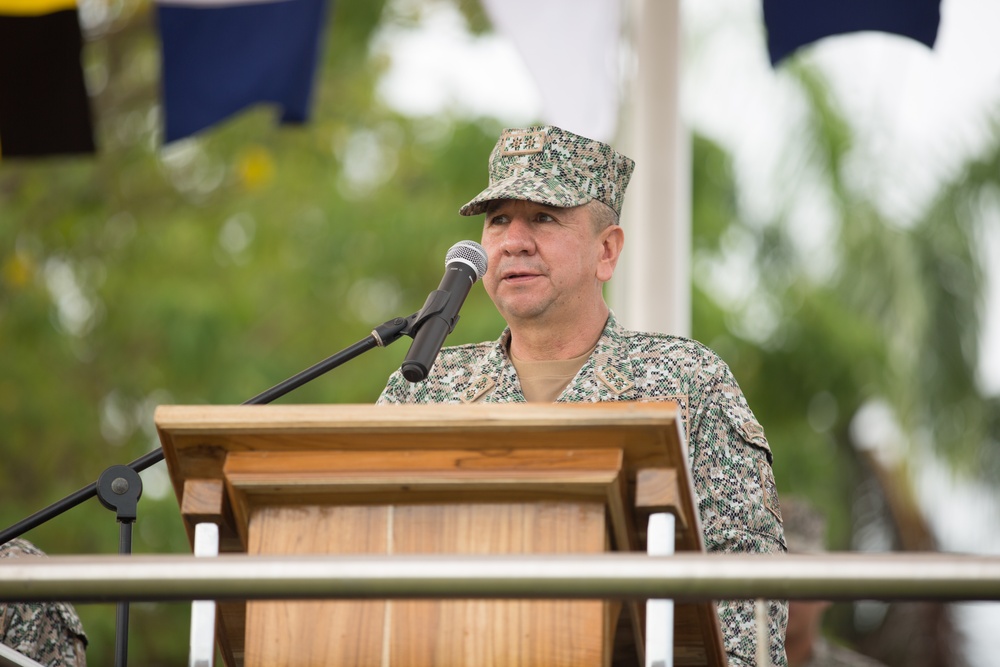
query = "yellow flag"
x=34 y=7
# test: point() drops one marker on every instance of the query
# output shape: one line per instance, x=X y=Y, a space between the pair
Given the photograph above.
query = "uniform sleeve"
x=49 y=633
x=737 y=501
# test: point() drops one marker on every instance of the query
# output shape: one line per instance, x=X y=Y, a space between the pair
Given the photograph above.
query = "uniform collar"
x=606 y=375
x=495 y=377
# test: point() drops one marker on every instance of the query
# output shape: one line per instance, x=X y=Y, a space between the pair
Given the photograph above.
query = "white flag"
x=571 y=47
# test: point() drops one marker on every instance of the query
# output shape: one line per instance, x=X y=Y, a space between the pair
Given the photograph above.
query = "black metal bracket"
x=119 y=488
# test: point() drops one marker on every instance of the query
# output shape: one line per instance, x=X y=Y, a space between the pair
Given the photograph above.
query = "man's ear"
x=612 y=240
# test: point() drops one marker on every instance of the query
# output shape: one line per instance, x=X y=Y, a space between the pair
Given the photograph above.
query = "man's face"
x=546 y=264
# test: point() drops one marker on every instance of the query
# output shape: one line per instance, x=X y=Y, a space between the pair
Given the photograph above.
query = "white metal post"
x=11 y=658
x=660 y=613
x=202 y=653
x=651 y=290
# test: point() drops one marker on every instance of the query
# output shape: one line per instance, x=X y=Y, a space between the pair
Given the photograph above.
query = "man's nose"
x=518 y=237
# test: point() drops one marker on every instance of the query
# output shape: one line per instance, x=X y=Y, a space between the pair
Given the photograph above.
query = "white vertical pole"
x=11 y=658
x=202 y=643
x=651 y=290
x=660 y=613
x=762 y=624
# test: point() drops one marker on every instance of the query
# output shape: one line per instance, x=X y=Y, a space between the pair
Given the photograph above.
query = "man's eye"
x=543 y=217
x=498 y=220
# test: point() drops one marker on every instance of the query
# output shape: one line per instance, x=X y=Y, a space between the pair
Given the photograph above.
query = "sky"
x=918 y=113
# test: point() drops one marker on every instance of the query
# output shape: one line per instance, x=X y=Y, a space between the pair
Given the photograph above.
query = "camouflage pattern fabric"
x=49 y=633
x=729 y=455
x=551 y=166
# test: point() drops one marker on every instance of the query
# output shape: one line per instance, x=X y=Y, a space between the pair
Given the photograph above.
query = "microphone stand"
x=119 y=487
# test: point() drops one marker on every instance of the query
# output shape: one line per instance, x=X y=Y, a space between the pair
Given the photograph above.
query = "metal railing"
x=682 y=576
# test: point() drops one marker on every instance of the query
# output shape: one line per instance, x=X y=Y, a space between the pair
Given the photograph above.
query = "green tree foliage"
x=887 y=317
x=206 y=271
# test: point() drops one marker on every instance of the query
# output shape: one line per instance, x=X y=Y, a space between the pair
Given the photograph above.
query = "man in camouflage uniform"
x=552 y=239
x=805 y=530
x=49 y=633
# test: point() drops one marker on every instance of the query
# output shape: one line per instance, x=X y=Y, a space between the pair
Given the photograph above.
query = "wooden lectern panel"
x=343 y=633
x=427 y=633
x=436 y=502
x=357 y=479
x=489 y=632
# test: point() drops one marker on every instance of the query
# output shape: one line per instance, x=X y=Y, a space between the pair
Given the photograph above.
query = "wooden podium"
x=438 y=479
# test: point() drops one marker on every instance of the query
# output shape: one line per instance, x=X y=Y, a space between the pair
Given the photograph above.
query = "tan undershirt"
x=543 y=381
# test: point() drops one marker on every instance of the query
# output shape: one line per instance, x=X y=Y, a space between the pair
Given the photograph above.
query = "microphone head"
x=470 y=253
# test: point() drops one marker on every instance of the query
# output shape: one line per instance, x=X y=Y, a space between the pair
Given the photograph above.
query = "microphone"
x=464 y=264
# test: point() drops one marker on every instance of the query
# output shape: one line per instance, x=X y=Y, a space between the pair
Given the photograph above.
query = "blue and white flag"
x=222 y=56
x=793 y=23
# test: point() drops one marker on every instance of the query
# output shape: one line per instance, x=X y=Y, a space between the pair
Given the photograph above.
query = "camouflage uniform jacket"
x=729 y=455
x=49 y=633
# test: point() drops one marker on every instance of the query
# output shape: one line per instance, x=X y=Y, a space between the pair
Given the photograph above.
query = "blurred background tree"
x=208 y=270
x=861 y=363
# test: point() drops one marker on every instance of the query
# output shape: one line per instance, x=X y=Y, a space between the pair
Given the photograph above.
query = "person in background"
x=49 y=633
x=552 y=240
x=805 y=645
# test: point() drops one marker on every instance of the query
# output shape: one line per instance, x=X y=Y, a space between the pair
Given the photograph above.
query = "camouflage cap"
x=551 y=166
